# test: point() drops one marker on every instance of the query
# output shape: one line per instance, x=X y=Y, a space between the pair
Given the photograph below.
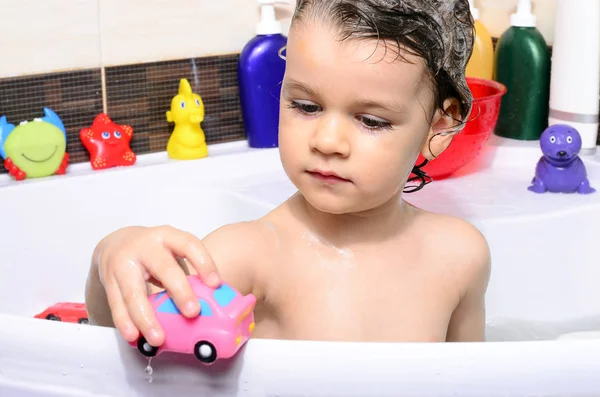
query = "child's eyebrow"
x=392 y=106
x=296 y=85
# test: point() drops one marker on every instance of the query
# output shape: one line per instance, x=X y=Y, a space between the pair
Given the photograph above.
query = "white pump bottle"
x=575 y=83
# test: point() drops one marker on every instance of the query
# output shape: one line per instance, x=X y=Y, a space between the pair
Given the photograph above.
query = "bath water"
x=502 y=329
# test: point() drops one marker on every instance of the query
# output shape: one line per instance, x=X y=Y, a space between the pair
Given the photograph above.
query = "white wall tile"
x=495 y=14
x=39 y=36
x=135 y=31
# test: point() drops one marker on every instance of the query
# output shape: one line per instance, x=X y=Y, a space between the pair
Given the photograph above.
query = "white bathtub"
x=544 y=283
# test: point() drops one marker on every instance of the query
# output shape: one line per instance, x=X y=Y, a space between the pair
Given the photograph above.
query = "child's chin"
x=333 y=205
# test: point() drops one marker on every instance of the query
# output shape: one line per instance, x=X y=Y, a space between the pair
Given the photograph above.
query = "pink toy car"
x=225 y=323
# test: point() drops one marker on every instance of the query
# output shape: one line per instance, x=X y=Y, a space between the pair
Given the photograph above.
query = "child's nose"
x=331 y=137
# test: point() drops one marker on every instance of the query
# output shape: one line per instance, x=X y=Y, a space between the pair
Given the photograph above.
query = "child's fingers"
x=188 y=246
x=120 y=316
x=132 y=287
x=165 y=269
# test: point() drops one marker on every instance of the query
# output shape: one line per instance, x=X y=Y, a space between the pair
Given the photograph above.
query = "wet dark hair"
x=440 y=32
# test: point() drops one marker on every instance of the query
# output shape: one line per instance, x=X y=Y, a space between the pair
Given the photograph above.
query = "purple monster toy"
x=560 y=170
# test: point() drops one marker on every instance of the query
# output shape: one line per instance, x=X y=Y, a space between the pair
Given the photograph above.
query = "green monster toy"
x=34 y=149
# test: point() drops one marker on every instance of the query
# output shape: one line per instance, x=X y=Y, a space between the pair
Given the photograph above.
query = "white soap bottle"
x=575 y=81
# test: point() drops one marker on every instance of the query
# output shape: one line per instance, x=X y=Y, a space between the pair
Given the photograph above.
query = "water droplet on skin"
x=64 y=373
x=80 y=365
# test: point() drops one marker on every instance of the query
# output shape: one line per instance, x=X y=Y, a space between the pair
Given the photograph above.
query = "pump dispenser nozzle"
x=268 y=24
x=523 y=17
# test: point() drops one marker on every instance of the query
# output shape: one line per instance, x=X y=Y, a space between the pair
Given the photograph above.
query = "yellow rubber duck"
x=187 y=142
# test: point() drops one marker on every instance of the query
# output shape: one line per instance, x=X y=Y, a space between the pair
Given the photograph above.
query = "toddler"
x=368 y=86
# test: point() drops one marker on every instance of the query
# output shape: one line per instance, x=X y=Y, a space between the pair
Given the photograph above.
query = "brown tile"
x=163 y=72
x=53 y=91
x=126 y=109
x=144 y=92
x=75 y=96
x=158 y=138
x=137 y=95
x=140 y=142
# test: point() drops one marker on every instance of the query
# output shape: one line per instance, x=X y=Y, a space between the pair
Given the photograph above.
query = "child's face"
x=352 y=109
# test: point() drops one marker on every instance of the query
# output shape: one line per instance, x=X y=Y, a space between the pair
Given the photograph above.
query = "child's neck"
x=377 y=224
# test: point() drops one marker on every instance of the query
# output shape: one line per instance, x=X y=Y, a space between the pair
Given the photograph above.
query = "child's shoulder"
x=242 y=251
x=451 y=231
x=248 y=239
x=457 y=243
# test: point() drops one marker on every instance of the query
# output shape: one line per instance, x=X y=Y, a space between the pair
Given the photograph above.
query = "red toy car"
x=65 y=311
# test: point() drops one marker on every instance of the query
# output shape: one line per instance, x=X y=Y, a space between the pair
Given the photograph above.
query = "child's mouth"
x=327 y=177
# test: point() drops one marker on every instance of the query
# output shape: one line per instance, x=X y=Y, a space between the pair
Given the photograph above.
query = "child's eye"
x=375 y=124
x=305 y=107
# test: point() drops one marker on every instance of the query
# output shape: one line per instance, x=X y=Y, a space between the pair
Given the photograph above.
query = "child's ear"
x=442 y=129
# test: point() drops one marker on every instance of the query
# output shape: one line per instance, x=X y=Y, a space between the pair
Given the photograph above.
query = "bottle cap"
x=523 y=17
x=268 y=24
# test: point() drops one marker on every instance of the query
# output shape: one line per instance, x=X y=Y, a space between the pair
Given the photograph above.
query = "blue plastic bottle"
x=260 y=72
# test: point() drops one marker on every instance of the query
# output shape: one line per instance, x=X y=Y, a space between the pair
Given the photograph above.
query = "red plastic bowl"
x=467 y=144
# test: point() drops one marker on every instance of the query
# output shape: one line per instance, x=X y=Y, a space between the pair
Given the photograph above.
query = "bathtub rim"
x=496 y=147
x=507 y=368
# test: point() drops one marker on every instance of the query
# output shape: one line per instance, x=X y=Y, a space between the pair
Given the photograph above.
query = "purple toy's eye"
x=105 y=135
x=552 y=139
x=117 y=134
x=569 y=139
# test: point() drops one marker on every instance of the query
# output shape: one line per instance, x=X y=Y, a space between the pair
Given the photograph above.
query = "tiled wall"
x=80 y=57
x=75 y=96
x=140 y=95
x=63 y=35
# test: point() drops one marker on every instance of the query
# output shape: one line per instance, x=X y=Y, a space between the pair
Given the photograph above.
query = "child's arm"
x=125 y=262
x=467 y=323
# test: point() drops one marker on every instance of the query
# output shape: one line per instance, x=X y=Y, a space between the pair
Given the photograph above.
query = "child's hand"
x=129 y=258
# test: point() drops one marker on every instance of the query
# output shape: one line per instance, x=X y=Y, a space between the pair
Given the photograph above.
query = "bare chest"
x=338 y=296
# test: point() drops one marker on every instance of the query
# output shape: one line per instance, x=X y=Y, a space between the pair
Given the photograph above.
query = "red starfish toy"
x=108 y=143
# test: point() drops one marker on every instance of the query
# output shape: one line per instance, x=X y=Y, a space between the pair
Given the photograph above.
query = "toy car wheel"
x=52 y=317
x=146 y=348
x=83 y=321
x=205 y=352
